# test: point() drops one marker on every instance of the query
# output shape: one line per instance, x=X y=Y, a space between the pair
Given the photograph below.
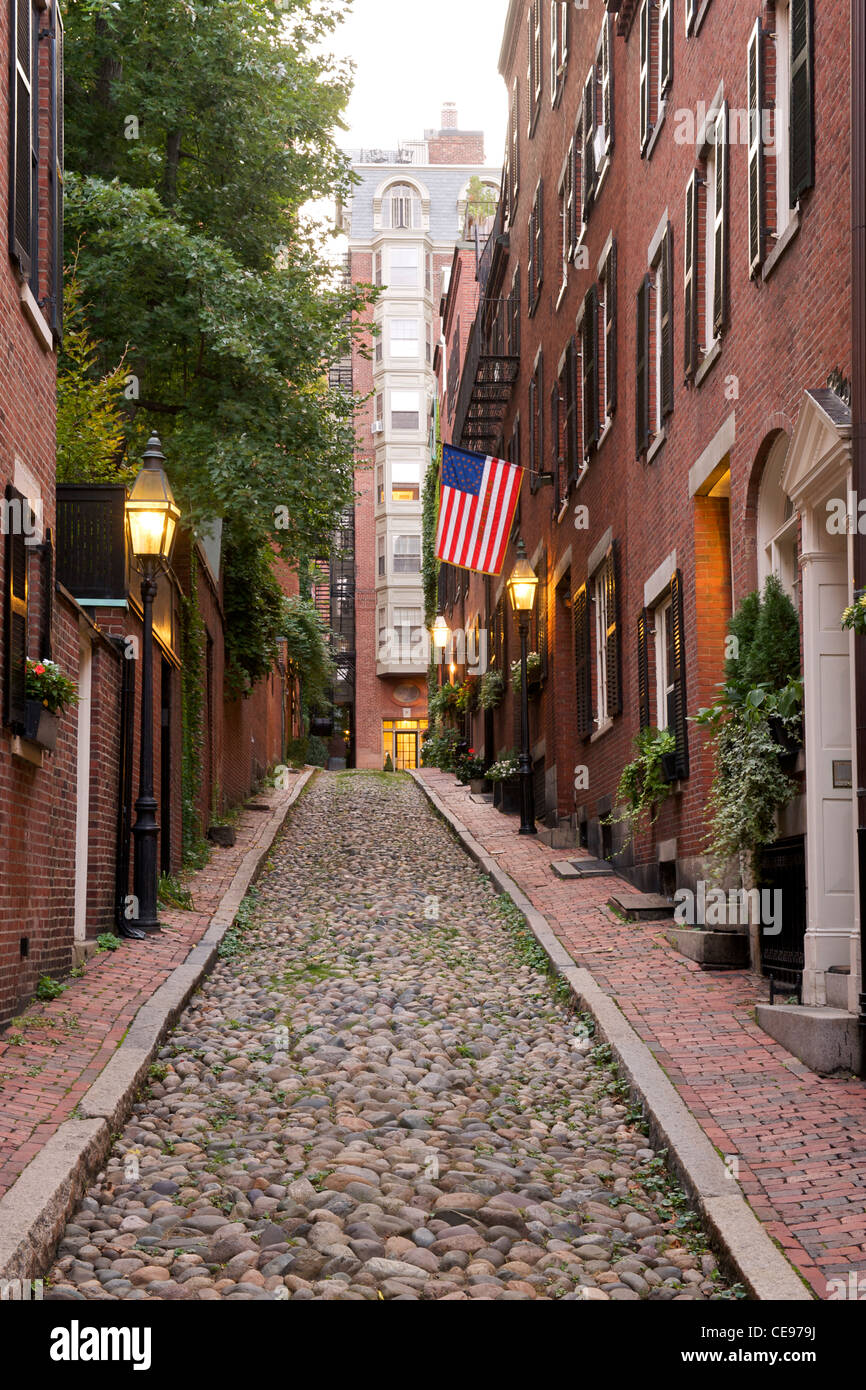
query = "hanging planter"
x=40 y=725
x=48 y=692
x=533 y=673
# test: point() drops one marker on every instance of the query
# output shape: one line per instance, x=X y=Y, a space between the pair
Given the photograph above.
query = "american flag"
x=476 y=507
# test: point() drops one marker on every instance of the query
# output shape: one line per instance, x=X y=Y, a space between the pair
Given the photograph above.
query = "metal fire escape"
x=492 y=361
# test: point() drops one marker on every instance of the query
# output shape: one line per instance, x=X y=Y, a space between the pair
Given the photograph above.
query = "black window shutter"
x=754 y=85
x=666 y=46
x=643 y=690
x=666 y=267
x=57 y=143
x=560 y=483
x=802 y=133
x=542 y=644
x=571 y=422
x=610 y=329
x=590 y=369
x=679 y=724
x=642 y=369
x=46 y=586
x=15 y=614
x=21 y=184
x=582 y=659
x=690 y=278
x=612 y=642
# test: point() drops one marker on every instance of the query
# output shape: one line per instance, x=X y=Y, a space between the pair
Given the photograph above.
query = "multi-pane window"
x=566 y=216
x=404 y=268
x=408 y=630
x=536 y=63
x=378 y=408
x=604 y=91
x=513 y=343
x=664 y=658
x=536 y=248
x=654 y=361
x=407 y=554
x=566 y=424
x=404 y=338
x=380 y=555
x=405 y=481
x=380 y=485
x=513 y=159
x=401 y=206
x=607 y=646
x=779 y=74
x=588 y=381
x=405 y=410
x=377 y=268
x=656 y=64
x=715 y=191
x=559 y=27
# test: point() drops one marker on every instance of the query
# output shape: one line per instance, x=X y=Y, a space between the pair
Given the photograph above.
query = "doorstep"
x=640 y=907
x=828 y=1040
x=713 y=950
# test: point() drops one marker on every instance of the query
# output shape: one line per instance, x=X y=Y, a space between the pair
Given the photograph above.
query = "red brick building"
x=668 y=301
x=71 y=595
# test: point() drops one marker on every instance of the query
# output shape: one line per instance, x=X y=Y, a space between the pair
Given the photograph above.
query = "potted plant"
x=48 y=692
x=470 y=769
x=443 y=701
x=645 y=782
x=491 y=689
x=756 y=725
x=504 y=774
x=533 y=672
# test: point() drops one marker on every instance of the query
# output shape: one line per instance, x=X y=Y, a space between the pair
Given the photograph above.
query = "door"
x=82 y=821
x=406 y=748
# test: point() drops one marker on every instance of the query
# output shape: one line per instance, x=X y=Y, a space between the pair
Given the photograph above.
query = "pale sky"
x=413 y=55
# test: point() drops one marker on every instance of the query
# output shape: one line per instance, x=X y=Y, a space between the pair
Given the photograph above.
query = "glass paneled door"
x=402 y=738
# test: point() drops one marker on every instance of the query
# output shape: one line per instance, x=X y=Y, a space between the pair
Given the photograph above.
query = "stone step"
x=641 y=907
x=582 y=868
x=483 y=798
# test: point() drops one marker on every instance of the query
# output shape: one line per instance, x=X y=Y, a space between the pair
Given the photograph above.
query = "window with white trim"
x=560 y=14
x=407 y=554
x=664 y=662
x=656 y=65
x=401 y=206
x=536 y=64
x=380 y=556
x=404 y=268
x=404 y=339
x=405 y=410
x=405 y=481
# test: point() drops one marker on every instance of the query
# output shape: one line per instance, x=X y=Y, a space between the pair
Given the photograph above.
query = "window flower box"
x=40 y=725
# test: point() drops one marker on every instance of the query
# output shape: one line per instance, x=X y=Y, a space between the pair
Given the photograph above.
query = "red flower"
x=39 y=670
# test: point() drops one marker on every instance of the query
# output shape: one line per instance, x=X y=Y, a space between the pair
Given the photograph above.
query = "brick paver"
x=799 y=1138
x=67 y=1041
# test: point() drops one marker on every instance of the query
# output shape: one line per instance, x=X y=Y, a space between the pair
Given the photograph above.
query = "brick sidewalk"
x=800 y=1139
x=69 y=1040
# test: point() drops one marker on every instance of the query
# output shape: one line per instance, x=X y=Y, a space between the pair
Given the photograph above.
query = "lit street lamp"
x=521 y=590
x=441 y=633
x=151 y=516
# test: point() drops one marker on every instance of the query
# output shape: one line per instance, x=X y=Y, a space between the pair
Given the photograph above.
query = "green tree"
x=91 y=439
x=196 y=133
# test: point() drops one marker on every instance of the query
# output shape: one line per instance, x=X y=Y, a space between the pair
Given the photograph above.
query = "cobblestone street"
x=378 y=1094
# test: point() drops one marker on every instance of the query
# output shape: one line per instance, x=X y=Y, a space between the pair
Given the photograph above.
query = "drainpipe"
x=858 y=435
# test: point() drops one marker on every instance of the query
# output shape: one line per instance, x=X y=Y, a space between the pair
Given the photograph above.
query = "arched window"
x=777 y=524
x=400 y=206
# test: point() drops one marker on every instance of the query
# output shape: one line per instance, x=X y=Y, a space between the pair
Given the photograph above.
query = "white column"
x=828 y=741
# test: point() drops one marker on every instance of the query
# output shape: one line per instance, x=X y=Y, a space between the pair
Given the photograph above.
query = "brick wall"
x=783 y=335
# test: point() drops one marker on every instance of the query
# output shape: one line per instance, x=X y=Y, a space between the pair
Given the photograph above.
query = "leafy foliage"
x=643 y=785
x=46 y=682
x=91 y=438
x=756 y=714
x=491 y=689
x=308 y=652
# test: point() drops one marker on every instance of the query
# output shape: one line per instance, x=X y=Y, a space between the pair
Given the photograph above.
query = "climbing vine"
x=429 y=563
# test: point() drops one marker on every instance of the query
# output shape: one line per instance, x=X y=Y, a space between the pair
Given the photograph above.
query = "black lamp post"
x=152 y=517
x=521 y=590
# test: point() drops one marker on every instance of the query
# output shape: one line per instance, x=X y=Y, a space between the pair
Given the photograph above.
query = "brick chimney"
x=449 y=116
